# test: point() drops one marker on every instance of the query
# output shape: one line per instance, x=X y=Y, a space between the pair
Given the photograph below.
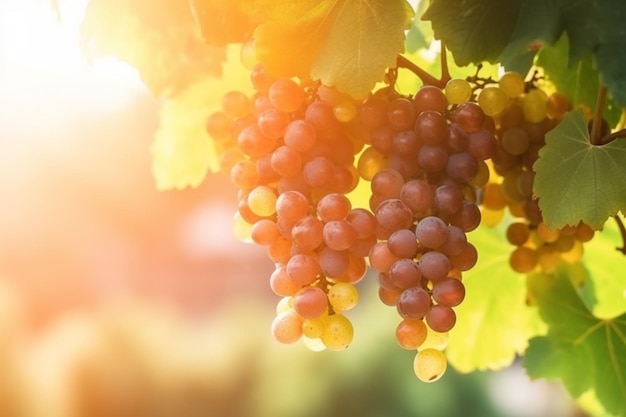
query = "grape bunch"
x=290 y=151
x=425 y=161
x=438 y=163
x=523 y=114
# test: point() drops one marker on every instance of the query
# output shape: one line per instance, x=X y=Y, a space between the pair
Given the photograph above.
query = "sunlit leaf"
x=585 y=352
x=182 y=151
x=579 y=81
x=494 y=321
x=345 y=43
x=577 y=181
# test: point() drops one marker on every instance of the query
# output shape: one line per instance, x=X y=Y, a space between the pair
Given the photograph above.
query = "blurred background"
x=118 y=300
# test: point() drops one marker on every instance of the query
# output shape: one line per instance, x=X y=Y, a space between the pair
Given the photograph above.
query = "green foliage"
x=348 y=44
x=494 y=321
x=577 y=181
x=182 y=152
x=159 y=38
x=511 y=32
x=474 y=31
x=579 y=82
x=585 y=352
x=602 y=289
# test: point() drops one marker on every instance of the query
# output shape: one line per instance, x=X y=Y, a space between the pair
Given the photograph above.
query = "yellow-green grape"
x=313 y=344
x=548 y=257
x=242 y=229
x=458 y=91
x=338 y=332
x=370 y=162
x=343 y=296
x=345 y=111
x=512 y=84
x=534 y=106
x=546 y=234
x=430 y=365
x=492 y=100
x=575 y=254
x=491 y=218
x=313 y=328
x=287 y=327
x=284 y=304
x=435 y=340
x=262 y=201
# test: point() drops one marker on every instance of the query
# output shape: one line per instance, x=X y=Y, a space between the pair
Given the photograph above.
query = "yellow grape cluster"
x=523 y=114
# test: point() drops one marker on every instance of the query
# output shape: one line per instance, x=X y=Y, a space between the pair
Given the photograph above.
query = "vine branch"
x=596 y=123
x=622 y=230
x=615 y=135
x=427 y=79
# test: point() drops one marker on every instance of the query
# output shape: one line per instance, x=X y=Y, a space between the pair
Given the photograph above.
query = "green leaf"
x=365 y=40
x=583 y=351
x=420 y=35
x=602 y=289
x=579 y=82
x=344 y=43
x=577 y=181
x=494 y=321
x=538 y=24
x=182 y=151
x=473 y=30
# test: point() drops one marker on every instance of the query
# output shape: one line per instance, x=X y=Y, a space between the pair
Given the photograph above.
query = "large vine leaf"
x=577 y=181
x=585 y=352
x=473 y=30
x=182 y=151
x=345 y=43
x=494 y=321
x=159 y=38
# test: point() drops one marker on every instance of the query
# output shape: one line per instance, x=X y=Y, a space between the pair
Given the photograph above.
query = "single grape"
x=458 y=91
x=411 y=333
x=429 y=365
x=414 y=303
x=512 y=84
x=448 y=292
x=338 y=332
x=343 y=296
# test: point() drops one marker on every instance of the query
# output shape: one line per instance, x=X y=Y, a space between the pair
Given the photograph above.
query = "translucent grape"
x=458 y=91
x=343 y=296
x=429 y=365
x=512 y=84
x=338 y=332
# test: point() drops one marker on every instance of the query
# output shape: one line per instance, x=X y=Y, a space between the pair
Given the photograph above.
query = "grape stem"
x=596 y=124
x=622 y=230
x=609 y=138
x=427 y=79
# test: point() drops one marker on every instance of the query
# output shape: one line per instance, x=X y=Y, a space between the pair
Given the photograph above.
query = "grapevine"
x=435 y=161
x=509 y=150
